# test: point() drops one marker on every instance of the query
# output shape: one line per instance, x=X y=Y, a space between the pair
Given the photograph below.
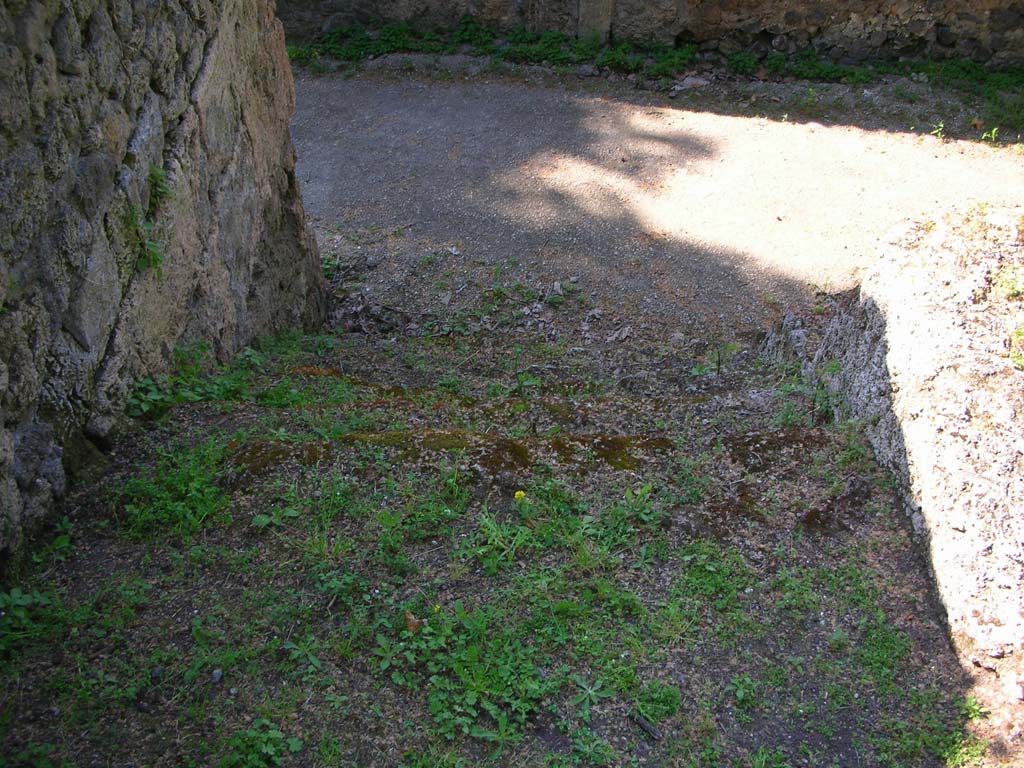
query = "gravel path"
x=669 y=211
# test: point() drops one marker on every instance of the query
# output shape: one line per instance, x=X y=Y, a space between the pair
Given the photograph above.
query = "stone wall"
x=101 y=103
x=985 y=30
x=929 y=358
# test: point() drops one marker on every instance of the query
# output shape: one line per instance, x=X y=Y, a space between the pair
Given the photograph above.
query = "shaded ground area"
x=373 y=548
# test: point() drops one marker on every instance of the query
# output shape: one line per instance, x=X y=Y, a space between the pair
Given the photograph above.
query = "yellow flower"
x=520 y=495
x=437 y=608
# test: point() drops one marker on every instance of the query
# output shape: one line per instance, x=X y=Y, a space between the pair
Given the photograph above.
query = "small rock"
x=217 y=676
x=1015 y=688
x=987 y=665
x=691 y=82
x=621 y=334
x=587 y=70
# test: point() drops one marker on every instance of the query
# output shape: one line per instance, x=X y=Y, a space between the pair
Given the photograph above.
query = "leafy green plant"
x=469 y=32
x=59 y=546
x=588 y=749
x=285 y=394
x=621 y=58
x=810 y=102
x=480 y=677
x=23 y=616
x=971 y=709
x=790 y=413
x=159 y=189
x=148 y=399
x=838 y=641
x=1005 y=109
x=743 y=62
x=263 y=745
x=498 y=543
x=854 y=452
x=716 y=357
x=343 y=587
x=768 y=758
x=1017 y=347
x=690 y=486
x=143 y=225
x=923 y=732
x=278 y=516
x=669 y=62
x=744 y=690
x=713 y=572
x=658 y=701
x=590 y=694
x=1009 y=282
x=798 y=593
x=305 y=654
x=643 y=508
x=150 y=251
x=180 y=493
x=192 y=383
x=427 y=515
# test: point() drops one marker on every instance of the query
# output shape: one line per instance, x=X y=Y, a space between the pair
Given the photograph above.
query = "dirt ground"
x=530 y=498
x=683 y=212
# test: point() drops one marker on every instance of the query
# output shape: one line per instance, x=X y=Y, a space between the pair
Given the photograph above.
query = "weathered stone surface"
x=987 y=30
x=92 y=96
x=305 y=19
x=924 y=362
x=595 y=19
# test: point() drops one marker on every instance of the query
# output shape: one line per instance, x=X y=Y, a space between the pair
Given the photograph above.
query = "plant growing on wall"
x=150 y=249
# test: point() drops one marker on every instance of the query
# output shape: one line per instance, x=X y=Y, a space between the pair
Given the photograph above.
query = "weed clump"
x=180 y=495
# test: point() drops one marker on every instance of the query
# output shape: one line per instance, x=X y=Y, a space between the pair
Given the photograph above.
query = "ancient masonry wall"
x=147 y=200
x=984 y=30
x=929 y=358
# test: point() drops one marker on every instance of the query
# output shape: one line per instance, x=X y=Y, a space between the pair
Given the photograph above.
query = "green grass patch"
x=481 y=675
x=713 y=572
x=262 y=745
x=179 y=495
x=356 y=44
x=25 y=615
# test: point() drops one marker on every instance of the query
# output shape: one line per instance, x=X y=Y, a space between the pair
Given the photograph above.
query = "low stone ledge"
x=929 y=357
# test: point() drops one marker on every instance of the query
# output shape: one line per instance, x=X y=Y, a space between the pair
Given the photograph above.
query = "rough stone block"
x=92 y=95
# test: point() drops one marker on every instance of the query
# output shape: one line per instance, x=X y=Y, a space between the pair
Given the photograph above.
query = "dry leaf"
x=977 y=124
x=412 y=623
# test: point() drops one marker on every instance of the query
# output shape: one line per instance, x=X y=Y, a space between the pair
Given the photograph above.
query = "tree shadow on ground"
x=680 y=214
